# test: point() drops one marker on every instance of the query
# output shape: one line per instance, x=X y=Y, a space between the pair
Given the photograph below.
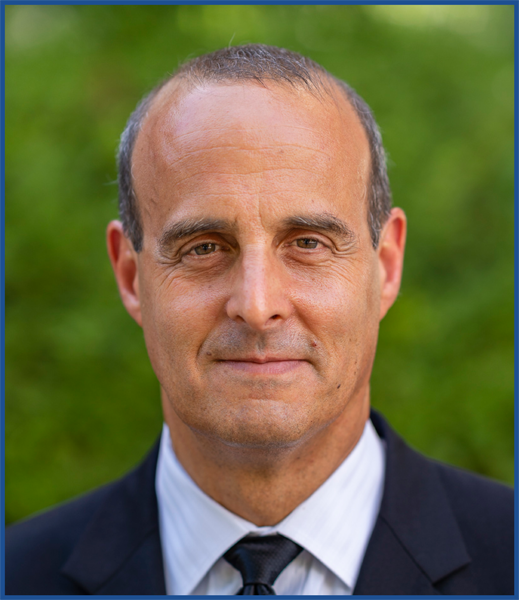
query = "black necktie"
x=260 y=560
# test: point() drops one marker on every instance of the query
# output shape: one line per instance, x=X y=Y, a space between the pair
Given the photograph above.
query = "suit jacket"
x=440 y=530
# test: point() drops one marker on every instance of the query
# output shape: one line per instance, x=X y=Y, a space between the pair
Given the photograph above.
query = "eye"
x=307 y=243
x=207 y=248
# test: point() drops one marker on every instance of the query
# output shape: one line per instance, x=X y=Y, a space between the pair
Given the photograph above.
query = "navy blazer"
x=440 y=530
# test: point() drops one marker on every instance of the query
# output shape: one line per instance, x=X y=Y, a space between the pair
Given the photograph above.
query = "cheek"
x=176 y=318
x=343 y=312
x=347 y=296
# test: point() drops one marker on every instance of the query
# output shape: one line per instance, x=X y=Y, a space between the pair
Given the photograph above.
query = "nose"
x=259 y=293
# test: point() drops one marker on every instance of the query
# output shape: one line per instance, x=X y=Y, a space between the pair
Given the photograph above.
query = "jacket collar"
x=119 y=552
x=416 y=541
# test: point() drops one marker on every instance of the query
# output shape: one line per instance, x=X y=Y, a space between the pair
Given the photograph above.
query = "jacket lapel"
x=416 y=541
x=119 y=551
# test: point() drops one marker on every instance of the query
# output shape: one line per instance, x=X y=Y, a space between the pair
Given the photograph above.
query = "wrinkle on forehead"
x=189 y=126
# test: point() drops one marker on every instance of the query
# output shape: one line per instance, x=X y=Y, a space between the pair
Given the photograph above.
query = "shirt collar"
x=334 y=523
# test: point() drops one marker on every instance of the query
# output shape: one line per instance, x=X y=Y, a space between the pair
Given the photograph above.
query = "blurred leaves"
x=82 y=403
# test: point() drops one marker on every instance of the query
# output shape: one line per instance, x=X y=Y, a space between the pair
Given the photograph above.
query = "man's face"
x=258 y=289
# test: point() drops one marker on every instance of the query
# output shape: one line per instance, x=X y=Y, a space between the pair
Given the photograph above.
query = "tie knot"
x=260 y=560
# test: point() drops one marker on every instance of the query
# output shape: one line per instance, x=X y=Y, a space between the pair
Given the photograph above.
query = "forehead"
x=206 y=148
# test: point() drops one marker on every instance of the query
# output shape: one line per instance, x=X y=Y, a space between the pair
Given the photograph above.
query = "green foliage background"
x=82 y=403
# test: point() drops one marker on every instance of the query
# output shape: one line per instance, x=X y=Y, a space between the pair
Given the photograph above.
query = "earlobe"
x=391 y=258
x=124 y=263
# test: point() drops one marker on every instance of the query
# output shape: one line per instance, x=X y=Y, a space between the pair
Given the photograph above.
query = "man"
x=258 y=250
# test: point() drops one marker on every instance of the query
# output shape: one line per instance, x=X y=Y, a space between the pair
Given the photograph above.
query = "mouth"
x=266 y=366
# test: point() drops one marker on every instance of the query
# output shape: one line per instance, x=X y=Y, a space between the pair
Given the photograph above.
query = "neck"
x=264 y=485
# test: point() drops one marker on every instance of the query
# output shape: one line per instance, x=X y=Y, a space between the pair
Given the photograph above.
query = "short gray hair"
x=256 y=63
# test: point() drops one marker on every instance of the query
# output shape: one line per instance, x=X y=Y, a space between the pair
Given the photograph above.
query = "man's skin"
x=262 y=328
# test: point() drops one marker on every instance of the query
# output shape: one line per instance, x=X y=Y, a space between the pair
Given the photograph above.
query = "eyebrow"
x=324 y=222
x=189 y=227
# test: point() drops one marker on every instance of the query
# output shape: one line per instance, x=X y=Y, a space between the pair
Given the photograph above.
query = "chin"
x=249 y=423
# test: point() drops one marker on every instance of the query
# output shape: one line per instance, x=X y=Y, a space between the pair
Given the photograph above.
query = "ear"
x=124 y=263
x=390 y=253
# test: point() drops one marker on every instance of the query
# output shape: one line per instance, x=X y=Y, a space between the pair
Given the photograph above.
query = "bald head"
x=256 y=132
x=264 y=66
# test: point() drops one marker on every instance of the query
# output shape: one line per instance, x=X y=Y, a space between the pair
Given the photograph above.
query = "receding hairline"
x=262 y=65
x=176 y=89
x=182 y=84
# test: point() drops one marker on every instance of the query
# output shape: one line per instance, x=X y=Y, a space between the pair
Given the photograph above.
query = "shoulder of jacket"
x=478 y=492
x=484 y=511
x=37 y=547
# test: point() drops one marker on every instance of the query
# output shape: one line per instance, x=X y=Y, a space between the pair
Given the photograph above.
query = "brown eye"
x=205 y=249
x=308 y=243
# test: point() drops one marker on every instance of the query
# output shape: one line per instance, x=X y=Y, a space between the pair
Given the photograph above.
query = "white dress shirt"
x=333 y=526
